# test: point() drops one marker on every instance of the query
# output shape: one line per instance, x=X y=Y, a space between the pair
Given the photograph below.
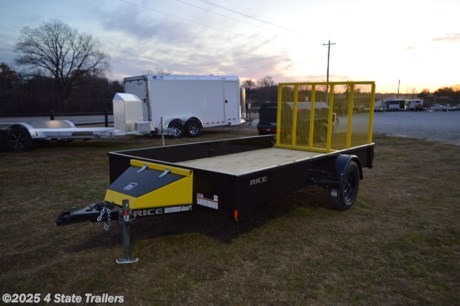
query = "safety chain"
x=107 y=223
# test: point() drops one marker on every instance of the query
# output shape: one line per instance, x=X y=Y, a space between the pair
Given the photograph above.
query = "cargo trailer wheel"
x=177 y=129
x=18 y=139
x=193 y=127
x=345 y=194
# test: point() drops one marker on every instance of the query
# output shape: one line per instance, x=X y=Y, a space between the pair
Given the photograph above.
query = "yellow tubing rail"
x=325 y=116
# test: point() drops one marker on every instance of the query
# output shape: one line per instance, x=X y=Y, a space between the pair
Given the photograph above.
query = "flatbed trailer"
x=235 y=175
x=18 y=136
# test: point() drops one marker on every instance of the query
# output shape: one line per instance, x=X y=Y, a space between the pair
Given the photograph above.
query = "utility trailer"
x=19 y=136
x=234 y=175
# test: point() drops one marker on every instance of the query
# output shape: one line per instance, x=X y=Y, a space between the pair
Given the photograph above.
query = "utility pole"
x=327 y=74
x=329 y=44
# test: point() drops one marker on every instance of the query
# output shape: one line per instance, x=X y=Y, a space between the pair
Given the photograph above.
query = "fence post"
x=106 y=117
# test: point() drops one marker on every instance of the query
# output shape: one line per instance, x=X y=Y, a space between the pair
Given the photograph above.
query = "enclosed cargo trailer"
x=184 y=104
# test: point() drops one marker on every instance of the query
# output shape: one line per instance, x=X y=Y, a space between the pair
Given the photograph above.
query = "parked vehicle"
x=414 y=105
x=394 y=104
x=438 y=108
x=267 y=118
x=454 y=108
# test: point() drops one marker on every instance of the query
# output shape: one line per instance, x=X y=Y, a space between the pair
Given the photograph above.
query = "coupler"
x=97 y=212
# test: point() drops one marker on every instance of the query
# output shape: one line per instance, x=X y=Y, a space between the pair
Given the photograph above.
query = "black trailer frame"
x=239 y=192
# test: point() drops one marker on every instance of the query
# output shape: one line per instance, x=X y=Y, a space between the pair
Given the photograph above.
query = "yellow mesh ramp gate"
x=325 y=117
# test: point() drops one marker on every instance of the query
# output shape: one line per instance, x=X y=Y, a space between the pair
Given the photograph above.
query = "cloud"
x=448 y=38
x=142 y=40
x=7 y=55
x=147 y=30
x=236 y=60
x=183 y=49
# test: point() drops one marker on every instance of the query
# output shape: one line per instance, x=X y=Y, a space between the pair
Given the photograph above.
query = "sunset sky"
x=416 y=42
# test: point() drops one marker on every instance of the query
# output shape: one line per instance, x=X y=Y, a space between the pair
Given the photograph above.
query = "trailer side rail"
x=325 y=116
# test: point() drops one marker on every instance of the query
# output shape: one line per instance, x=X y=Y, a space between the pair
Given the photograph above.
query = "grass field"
x=399 y=244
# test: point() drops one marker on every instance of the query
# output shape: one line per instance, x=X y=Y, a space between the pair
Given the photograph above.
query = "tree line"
x=37 y=94
x=444 y=95
x=264 y=90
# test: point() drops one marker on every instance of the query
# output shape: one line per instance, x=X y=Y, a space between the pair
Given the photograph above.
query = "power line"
x=174 y=16
x=248 y=16
x=219 y=14
x=219 y=29
x=168 y=14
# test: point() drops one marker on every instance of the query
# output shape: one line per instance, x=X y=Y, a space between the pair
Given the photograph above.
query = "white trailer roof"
x=185 y=77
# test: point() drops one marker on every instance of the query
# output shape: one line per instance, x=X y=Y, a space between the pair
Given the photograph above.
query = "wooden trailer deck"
x=249 y=161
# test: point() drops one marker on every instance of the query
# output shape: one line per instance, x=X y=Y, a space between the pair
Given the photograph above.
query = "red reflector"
x=235 y=214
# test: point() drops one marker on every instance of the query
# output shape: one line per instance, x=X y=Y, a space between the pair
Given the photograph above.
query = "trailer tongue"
x=235 y=175
x=150 y=189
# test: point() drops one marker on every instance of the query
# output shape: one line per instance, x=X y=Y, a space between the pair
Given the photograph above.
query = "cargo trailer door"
x=231 y=103
x=138 y=87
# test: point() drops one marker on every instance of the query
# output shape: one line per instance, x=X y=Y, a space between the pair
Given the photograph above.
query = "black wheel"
x=193 y=127
x=18 y=139
x=177 y=129
x=345 y=195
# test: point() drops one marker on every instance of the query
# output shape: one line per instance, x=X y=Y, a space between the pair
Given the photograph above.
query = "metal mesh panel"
x=323 y=116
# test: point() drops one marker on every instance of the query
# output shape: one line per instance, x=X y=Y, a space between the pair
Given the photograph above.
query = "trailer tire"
x=193 y=127
x=18 y=139
x=177 y=128
x=345 y=194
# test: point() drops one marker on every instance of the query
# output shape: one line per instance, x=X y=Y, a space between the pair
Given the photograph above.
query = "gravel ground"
x=438 y=126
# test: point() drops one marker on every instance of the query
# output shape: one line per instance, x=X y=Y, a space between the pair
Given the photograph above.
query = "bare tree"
x=56 y=50
x=249 y=84
x=266 y=90
x=266 y=82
